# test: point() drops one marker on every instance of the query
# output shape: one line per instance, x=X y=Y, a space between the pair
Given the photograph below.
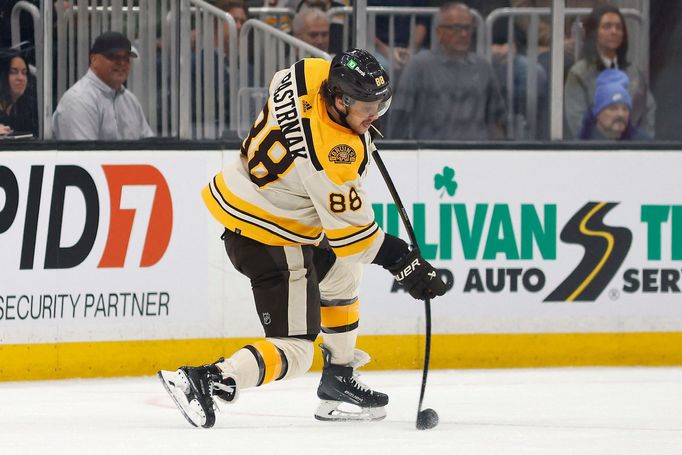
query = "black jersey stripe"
x=338 y=239
x=311 y=146
x=299 y=70
x=365 y=156
x=352 y=239
x=223 y=202
x=324 y=303
x=266 y=225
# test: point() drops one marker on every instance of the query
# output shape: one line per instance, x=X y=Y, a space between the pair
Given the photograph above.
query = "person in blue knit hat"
x=609 y=117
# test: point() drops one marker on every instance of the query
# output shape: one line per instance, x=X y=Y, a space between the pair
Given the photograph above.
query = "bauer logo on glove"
x=418 y=277
x=409 y=268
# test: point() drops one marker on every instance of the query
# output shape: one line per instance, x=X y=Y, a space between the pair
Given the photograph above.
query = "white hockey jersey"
x=299 y=176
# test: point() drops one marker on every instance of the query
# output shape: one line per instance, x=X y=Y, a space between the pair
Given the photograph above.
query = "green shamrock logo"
x=446 y=181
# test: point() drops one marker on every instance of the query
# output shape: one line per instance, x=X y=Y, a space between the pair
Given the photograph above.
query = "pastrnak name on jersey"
x=288 y=117
x=300 y=174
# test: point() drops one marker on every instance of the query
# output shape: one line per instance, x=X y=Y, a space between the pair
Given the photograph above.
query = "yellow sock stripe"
x=338 y=316
x=272 y=360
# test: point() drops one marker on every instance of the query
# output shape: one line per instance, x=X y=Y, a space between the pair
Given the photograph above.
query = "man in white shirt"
x=98 y=106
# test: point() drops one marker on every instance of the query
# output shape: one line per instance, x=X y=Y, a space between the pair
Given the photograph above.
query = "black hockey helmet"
x=356 y=75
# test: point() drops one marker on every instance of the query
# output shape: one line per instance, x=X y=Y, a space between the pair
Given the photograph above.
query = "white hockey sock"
x=269 y=360
x=341 y=345
x=244 y=366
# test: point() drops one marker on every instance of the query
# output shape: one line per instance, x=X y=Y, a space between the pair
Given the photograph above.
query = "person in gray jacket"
x=98 y=106
x=606 y=46
x=449 y=93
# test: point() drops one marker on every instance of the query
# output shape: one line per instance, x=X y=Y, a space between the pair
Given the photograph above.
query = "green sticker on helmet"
x=351 y=64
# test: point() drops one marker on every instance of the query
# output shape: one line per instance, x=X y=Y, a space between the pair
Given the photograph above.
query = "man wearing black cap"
x=98 y=106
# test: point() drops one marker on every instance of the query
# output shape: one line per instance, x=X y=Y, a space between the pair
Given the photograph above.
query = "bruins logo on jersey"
x=342 y=154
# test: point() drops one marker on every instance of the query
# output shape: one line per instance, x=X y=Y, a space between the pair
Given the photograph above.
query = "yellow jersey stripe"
x=356 y=247
x=235 y=213
x=237 y=225
x=339 y=235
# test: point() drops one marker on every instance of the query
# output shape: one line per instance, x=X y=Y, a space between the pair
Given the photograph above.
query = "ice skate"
x=193 y=388
x=343 y=396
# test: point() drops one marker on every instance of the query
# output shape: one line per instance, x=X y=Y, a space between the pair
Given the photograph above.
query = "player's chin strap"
x=342 y=116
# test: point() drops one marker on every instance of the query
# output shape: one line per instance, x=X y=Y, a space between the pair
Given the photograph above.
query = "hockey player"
x=298 y=225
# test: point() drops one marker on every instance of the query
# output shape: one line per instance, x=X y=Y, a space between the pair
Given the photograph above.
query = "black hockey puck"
x=427 y=419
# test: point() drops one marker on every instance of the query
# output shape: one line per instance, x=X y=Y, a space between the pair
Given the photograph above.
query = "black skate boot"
x=193 y=388
x=340 y=385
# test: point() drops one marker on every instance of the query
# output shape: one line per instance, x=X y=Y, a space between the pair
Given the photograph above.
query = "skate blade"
x=331 y=411
x=192 y=411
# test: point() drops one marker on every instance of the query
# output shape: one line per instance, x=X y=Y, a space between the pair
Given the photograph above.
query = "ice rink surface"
x=520 y=411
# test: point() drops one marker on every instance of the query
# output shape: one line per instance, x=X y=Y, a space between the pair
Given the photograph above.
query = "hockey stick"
x=428 y=418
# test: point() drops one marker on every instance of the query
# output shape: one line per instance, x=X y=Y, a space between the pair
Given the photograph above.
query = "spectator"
x=501 y=49
x=449 y=93
x=238 y=11
x=234 y=8
x=277 y=20
x=545 y=29
x=98 y=106
x=483 y=7
x=609 y=118
x=221 y=72
x=335 y=26
x=18 y=103
x=403 y=45
x=312 y=26
x=606 y=46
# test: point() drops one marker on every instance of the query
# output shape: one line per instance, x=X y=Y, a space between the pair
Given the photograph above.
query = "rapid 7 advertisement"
x=101 y=245
x=552 y=241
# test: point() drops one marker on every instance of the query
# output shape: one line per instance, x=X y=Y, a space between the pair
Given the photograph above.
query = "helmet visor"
x=377 y=108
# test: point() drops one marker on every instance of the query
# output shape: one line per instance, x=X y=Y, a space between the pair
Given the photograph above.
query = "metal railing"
x=227 y=83
x=26 y=7
x=636 y=35
x=273 y=50
x=151 y=75
x=213 y=80
x=278 y=17
x=170 y=53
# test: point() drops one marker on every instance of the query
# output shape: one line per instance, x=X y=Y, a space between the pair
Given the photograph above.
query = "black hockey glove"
x=418 y=277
